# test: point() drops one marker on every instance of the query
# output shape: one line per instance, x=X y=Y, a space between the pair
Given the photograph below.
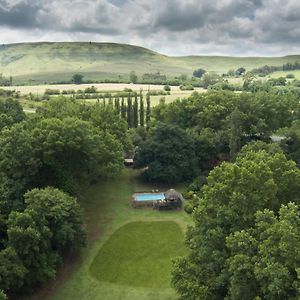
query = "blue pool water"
x=149 y=197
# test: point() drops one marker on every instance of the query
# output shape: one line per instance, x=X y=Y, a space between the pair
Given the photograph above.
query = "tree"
x=11 y=112
x=240 y=71
x=135 y=113
x=133 y=77
x=12 y=270
x=148 y=111
x=129 y=112
x=142 y=112
x=228 y=203
x=264 y=261
x=17 y=171
x=235 y=133
x=77 y=78
x=29 y=236
x=210 y=79
x=248 y=80
x=169 y=154
x=63 y=216
x=123 y=109
x=199 y=73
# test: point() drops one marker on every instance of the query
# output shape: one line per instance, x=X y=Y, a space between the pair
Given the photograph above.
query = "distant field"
x=284 y=73
x=102 y=87
x=39 y=90
x=52 y=62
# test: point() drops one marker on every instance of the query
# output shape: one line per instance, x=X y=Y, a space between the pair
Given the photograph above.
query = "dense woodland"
x=243 y=195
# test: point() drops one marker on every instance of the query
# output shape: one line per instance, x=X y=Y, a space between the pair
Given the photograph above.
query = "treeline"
x=6 y=81
x=265 y=70
x=134 y=110
x=211 y=127
x=43 y=159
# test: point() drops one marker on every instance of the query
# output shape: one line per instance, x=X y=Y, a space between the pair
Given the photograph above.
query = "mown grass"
x=107 y=208
x=139 y=254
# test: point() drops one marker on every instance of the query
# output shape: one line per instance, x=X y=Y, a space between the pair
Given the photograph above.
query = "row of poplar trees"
x=132 y=110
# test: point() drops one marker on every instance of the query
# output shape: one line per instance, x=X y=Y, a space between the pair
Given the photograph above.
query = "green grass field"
x=52 y=62
x=139 y=255
x=284 y=73
x=107 y=213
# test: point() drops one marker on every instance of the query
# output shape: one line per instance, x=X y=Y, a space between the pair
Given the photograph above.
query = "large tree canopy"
x=11 y=112
x=264 y=261
x=234 y=193
x=169 y=155
x=55 y=152
x=49 y=226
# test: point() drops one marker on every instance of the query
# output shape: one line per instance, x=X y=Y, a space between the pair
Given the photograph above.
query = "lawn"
x=139 y=254
x=107 y=210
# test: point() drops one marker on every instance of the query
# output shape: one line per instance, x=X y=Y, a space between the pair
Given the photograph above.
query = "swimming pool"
x=149 y=197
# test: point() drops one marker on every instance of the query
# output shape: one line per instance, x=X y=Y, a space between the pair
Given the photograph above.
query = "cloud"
x=238 y=27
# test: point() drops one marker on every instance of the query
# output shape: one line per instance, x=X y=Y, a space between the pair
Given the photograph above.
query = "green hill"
x=53 y=62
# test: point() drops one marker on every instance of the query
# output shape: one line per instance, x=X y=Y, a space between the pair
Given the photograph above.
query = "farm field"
x=284 y=73
x=41 y=63
x=109 y=217
x=39 y=90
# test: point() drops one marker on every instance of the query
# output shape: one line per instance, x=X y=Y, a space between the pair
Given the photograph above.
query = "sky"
x=172 y=27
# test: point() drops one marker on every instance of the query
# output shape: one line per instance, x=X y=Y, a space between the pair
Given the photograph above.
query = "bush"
x=167 y=88
x=186 y=87
x=290 y=76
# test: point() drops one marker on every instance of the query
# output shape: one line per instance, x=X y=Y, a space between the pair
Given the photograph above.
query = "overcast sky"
x=174 y=27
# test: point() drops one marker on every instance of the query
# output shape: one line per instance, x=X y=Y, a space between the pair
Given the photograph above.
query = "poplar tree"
x=142 y=112
x=117 y=105
x=123 y=109
x=129 y=112
x=110 y=100
x=136 y=112
x=148 y=111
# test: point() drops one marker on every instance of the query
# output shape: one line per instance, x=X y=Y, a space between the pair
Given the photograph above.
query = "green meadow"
x=38 y=63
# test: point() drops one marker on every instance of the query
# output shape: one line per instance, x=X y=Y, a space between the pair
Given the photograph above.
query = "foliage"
x=162 y=162
x=199 y=73
x=210 y=79
x=133 y=77
x=167 y=88
x=186 y=87
x=240 y=71
x=11 y=112
x=291 y=144
x=2 y=296
x=63 y=216
x=228 y=203
x=77 y=78
x=12 y=271
x=268 y=254
x=29 y=236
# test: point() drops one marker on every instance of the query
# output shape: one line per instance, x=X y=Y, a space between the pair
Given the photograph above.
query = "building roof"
x=172 y=194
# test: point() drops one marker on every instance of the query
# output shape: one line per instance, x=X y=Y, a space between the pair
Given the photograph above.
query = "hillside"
x=53 y=62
